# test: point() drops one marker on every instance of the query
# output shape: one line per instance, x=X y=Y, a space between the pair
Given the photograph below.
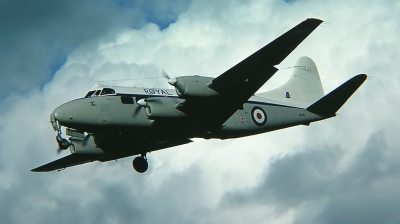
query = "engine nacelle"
x=161 y=107
x=84 y=146
x=193 y=87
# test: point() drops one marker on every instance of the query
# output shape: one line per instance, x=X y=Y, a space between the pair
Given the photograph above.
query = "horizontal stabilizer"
x=67 y=161
x=332 y=102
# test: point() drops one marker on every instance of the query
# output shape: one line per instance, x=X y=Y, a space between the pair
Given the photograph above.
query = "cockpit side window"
x=108 y=91
x=89 y=94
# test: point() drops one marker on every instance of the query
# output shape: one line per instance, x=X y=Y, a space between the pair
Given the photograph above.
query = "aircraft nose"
x=75 y=114
x=57 y=114
x=60 y=115
x=53 y=121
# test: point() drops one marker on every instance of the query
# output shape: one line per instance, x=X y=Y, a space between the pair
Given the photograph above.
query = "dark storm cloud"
x=365 y=191
x=37 y=36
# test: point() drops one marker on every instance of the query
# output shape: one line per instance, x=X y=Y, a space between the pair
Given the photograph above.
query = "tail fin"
x=303 y=88
x=333 y=101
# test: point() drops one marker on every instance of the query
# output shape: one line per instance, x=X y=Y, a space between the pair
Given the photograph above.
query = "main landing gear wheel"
x=140 y=164
x=63 y=143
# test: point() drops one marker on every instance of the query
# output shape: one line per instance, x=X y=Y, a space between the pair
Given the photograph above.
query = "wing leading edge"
x=78 y=159
x=67 y=161
x=240 y=82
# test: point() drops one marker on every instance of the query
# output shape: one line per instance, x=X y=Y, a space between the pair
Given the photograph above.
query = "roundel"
x=259 y=116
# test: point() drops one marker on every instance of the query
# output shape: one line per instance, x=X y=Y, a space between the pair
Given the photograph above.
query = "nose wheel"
x=140 y=164
x=62 y=142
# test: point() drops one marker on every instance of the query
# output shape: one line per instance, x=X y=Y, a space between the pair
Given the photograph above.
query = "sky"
x=342 y=170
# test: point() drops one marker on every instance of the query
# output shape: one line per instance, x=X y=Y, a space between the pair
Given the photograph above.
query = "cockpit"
x=100 y=92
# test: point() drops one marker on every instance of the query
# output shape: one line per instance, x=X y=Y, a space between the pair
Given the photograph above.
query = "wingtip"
x=360 y=78
x=364 y=76
x=36 y=170
x=316 y=20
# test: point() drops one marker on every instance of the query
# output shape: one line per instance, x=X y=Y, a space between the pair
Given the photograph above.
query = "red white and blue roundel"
x=259 y=116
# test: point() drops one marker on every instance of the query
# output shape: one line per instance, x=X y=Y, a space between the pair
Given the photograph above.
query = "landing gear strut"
x=63 y=143
x=140 y=164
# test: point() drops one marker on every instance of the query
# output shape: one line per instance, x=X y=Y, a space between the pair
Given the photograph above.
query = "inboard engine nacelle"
x=193 y=87
x=161 y=107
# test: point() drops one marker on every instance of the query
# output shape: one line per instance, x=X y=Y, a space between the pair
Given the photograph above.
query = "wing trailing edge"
x=328 y=105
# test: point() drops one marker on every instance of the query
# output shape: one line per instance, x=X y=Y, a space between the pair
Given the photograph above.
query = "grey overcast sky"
x=342 y=170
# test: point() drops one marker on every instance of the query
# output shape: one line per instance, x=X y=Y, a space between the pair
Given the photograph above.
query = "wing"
x=240 y=82
x=77 y=159
x=67 y=161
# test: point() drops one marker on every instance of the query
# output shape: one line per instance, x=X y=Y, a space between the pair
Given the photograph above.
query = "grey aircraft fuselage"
x=121 y=115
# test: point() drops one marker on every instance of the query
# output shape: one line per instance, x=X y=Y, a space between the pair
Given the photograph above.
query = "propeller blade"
x=171 y=81
x=137 y=110
x=164 y=74
x=59 y=150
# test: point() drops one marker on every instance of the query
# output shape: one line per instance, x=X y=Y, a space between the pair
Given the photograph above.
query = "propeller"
x=59 y=150
x=171 y=81
x=137 y=110
x=143 y=103
x=164 y=74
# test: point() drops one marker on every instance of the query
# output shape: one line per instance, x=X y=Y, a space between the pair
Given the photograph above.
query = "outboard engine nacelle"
x=193 y=87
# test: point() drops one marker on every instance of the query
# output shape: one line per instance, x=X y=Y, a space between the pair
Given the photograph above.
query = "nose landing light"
x=53 y=122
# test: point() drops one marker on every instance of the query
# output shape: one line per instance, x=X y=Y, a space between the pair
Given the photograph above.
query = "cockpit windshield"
x=107 y=91
x=90 y=93
x=104 y=91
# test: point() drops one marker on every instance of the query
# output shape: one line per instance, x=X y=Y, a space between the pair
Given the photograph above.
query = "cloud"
x=37 y=37
x=340 y=170
x=361 y=192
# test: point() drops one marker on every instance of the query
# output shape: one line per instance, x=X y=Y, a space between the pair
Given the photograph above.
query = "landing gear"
x=140 y=164
x=62 y=142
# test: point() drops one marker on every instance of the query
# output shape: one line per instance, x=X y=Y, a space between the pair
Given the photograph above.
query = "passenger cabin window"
x=108 y=91
x=127 y=100
x=89 y=94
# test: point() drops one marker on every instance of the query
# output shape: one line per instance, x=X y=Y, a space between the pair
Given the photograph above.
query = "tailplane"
x=328 y=105
x=302 y=89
